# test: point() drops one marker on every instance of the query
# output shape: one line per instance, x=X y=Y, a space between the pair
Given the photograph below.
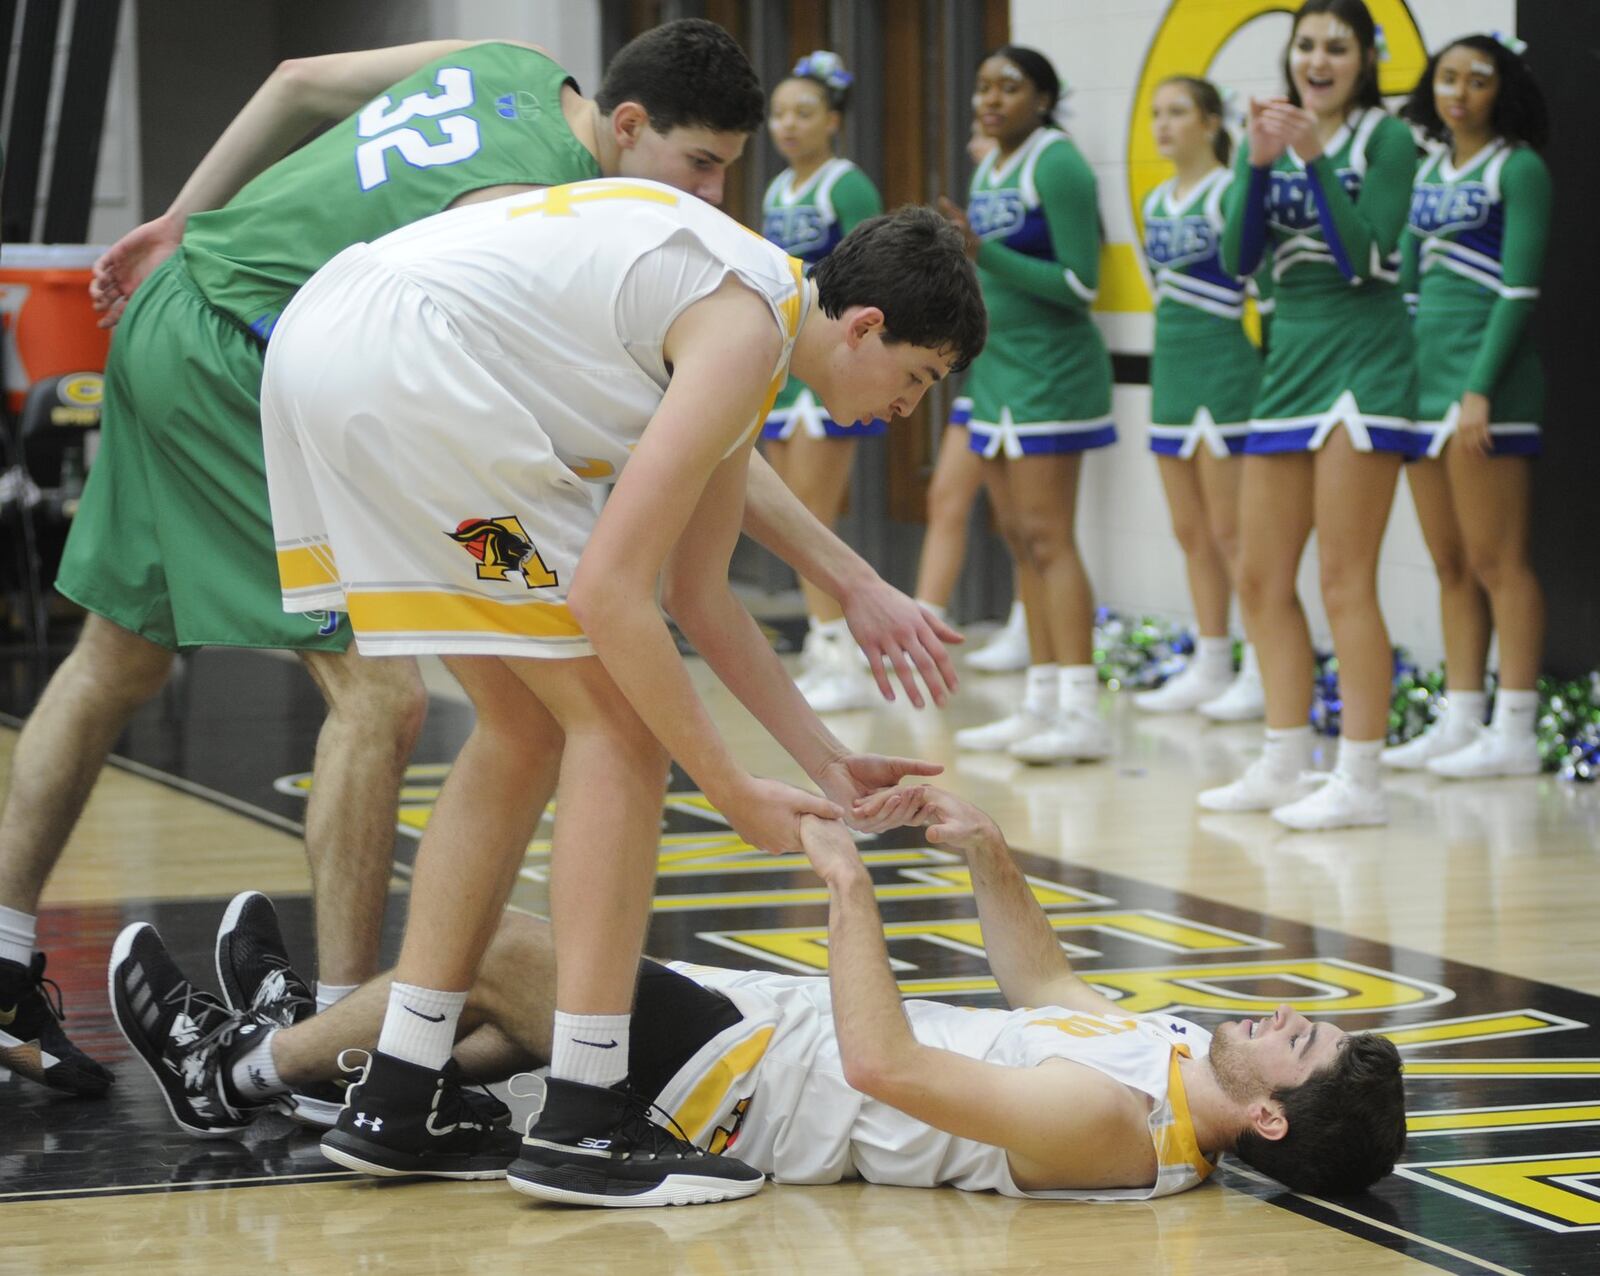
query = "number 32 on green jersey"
x=385 y=126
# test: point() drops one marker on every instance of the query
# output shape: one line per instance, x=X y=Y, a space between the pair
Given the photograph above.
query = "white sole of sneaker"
x=119 y=954
x=318 y=1113
x=677 y=1189
x=350 y=1161
x=229 y=924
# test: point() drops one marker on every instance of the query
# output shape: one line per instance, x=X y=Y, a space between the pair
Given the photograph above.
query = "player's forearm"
x=732 y=644
x=633 y=644
x=775 y=518
x=1022 y=947
x=875 y=1038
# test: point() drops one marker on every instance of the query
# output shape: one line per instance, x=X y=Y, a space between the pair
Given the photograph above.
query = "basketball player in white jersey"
x=812 y=1080
x=441 y=410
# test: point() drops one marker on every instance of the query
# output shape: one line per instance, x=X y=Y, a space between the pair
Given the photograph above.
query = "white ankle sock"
x=1041 y=690
x=1250 y=663
x=1359 y=761
x=1017 y=617
x=1078 y=687
x=592 y=1049
x=254 y=1075
x=332 y=994
x=420 y=1026
x=1465 y=705
x=1288 y=750
x=19 y=935
x=1515 y=712
x=1213 y=657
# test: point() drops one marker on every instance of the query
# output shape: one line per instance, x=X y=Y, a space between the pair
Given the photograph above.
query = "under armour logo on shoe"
x=363 y=1121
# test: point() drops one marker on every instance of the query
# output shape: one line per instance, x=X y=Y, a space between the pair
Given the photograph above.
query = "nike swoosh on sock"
x=598 y=1045
x=429 y=1018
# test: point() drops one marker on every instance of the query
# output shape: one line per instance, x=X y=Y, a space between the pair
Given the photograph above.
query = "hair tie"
x=827 y=68
x=1510 y=42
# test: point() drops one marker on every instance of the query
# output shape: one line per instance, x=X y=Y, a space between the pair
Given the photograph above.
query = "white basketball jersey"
x=564 y=297
x=771 y=1089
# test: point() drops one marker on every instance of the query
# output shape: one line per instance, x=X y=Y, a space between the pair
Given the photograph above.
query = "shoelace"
x=658 y=1138
x=272 y=996
x=38 y=979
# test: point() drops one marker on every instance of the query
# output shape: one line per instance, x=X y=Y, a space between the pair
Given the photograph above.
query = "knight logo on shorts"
x=502 y=547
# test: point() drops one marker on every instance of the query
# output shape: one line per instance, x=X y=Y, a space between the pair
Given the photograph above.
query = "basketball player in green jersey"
x=1474 y=254
x=1323 y=184
x=173 y=547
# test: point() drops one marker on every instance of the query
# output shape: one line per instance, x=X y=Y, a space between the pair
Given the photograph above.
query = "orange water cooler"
x=44 y=308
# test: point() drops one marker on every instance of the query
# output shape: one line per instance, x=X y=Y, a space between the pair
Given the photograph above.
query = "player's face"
x=692 y=159
x=1006 y=103
x=801 y=123
x=873 y=379
x=1277 y=1052
x=1325 y=61
x=1182 y=132
x=1465 y=86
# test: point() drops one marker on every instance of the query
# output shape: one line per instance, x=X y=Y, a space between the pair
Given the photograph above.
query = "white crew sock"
x=592 y=1049
x=942 y=613
x=1359 y=761
x=1017 y=617
x=420 y=1026
x=19 y=934
x=332 y=994
x=1213 y=657
x=254 y=1075
x=1287 y=751
x=1040 y=690
x=1078 y=687
x=1250 y=664
x=1515 y=712
x=1465 y=705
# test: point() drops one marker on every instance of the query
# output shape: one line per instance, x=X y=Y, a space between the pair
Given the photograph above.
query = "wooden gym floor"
x=1465 y=928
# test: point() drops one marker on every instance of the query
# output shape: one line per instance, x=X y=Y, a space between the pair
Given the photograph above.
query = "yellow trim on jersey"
x=789 y=311
x=433 y=611
x=1176 y=1143
x=700 y=1109
x=307 y=567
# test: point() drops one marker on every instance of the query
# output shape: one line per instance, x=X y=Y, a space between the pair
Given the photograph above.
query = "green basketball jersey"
x=488 y=115
x=1329 y=225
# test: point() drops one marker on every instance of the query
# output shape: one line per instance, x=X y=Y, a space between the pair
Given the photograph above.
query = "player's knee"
x=119 y=663
x=384 y=695
x=947 y=506
x=1045 y=539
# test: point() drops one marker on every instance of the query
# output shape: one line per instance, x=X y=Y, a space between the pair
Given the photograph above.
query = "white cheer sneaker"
x=1340 y=803
x=1260 y=788
x=1491 y=754
x=1447 y=735
x=1244 y=700
x=1007 y=651
x=1188 y=689
x=1073 y=735
x=995 y=737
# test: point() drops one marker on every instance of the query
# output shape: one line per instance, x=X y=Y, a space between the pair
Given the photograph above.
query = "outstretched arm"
x=1024 y=953
x=298 y=96
x=891 y=628
x=1062 y=1126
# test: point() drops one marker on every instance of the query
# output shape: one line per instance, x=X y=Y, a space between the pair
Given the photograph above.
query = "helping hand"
x=768 y=813
x=950 y=821
x=849 y=779
x=896 y=632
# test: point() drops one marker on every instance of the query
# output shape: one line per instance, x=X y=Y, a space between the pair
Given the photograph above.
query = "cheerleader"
x=807 y=210
x=1204 y=373
x=1324 y=185
x=1480 y=217
x=1041 y=392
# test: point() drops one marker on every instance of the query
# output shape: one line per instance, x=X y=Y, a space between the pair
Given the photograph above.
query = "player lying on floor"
x=812 y=1080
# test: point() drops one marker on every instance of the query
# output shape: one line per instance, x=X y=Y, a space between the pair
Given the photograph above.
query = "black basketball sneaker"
x=595 y=1146
x=255 y=974
x=402 y=1118
x=186 y=1037
x=32 y=1043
